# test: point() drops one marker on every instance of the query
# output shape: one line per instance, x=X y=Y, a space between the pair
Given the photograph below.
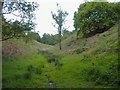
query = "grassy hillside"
x=89 y=62
x=73 y=45
x=82 y=63
x=23 y=64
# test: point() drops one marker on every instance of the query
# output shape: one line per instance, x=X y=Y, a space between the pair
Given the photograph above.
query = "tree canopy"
x=96 y=17
x=51 y=39
x=17 y=28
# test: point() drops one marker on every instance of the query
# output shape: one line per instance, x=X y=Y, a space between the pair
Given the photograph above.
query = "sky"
x=44 y=18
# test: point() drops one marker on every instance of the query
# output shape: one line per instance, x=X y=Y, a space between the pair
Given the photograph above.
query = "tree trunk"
x=60 y=43
x=60 y=46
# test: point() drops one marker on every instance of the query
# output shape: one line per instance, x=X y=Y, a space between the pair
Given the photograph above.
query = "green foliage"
x=17 y=28
x=24 y=71
x=102 y=75
x=54 y=39
x=96 y=67
x=24 y=9
x=78 y=51
x=93 y=17
x=27 y=75
x=51 y=58
x=50 y=39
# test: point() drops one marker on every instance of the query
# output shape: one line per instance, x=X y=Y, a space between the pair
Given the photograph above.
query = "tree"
x=96 y=17
x=49 y=39
x=11 y=29
x=59 y=21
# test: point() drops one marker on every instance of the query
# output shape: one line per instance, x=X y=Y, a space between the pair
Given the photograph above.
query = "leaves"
x=17 y=28
x=95 y=17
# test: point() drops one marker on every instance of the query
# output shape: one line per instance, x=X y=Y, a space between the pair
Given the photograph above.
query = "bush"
x=27 y=75
x=102 y=77
x=38 y=70
x=30 y=68
x=78 y=51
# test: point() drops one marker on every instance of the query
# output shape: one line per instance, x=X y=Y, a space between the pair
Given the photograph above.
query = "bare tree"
x=59 y=18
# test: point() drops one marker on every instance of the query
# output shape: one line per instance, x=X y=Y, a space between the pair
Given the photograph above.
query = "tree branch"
x=4 y=39
x=12 y=14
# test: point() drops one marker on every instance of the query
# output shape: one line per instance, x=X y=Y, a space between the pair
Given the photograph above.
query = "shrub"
x=78 y=51
x=38 y=70
x=27 y=75
x=30 y=68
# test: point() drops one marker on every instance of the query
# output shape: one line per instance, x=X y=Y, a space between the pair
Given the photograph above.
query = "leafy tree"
x=11 y=29
x=49 y=39
x=95 y=17
x=59 y=20
x=54 y=39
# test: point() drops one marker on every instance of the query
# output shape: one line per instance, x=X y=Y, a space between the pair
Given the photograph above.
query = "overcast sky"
x=44 y=18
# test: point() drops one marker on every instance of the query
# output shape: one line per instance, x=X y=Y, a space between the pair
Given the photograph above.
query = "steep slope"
x=23 y=64
x=89 y=62
x=72 y=45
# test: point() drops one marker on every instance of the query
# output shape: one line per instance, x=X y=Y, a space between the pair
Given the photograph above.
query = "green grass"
x=96 y=67
x=16 y=72
x=78 y=72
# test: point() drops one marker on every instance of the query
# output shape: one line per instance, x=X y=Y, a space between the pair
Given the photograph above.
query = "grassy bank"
x=44 y=66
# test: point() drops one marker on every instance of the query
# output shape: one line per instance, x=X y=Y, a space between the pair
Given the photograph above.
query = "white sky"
x=44 y=18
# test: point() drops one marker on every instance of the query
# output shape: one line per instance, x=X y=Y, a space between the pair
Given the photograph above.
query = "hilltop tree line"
x=50 y=39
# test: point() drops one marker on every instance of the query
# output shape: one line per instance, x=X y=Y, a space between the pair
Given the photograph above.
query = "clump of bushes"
x=36 y=70
x=102 y=77
x=78 y=51
x=51 y=58
x=30 y=68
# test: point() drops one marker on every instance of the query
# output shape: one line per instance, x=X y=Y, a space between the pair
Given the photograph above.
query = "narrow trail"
x=53 y=61
x=51 y=84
